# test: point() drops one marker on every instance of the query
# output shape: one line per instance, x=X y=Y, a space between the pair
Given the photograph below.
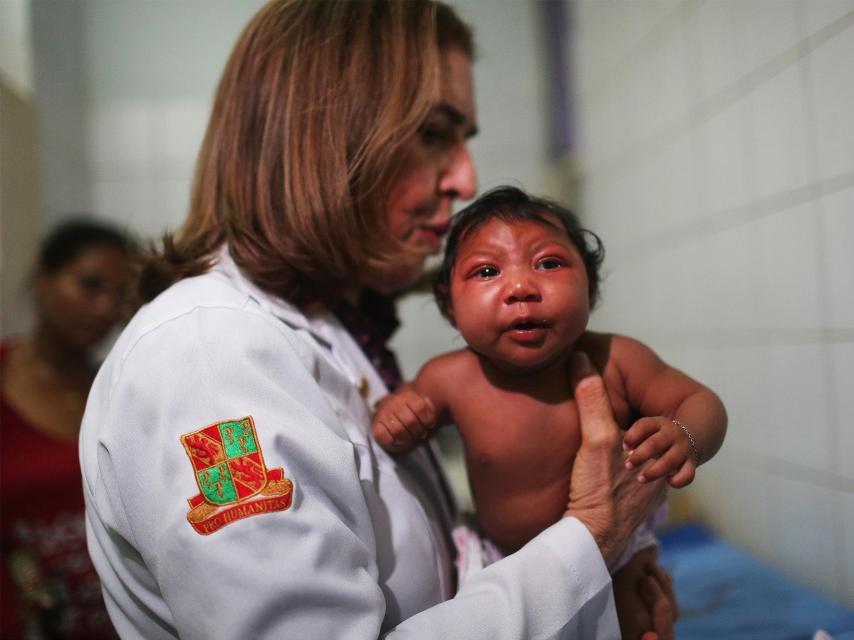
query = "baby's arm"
x=686 y=421
x=411 y=413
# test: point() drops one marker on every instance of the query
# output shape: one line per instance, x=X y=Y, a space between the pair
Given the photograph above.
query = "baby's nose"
x=522 y=289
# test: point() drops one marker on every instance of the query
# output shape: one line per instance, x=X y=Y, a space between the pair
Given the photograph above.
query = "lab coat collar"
x=318 y=323
x=323 y=326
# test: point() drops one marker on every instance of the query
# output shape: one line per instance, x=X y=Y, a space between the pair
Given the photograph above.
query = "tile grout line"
x=808 y=97
x=759 y=460
x=705 y=110
x=700 y=229
x=624 y=66
x=754 y=337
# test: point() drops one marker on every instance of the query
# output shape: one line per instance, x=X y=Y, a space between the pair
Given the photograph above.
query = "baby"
x=518 y=281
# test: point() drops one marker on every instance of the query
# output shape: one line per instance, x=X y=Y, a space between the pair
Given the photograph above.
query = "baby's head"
x=509 y=205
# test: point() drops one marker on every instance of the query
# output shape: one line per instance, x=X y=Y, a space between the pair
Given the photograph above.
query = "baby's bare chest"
x=520 y=434
x=510 y=433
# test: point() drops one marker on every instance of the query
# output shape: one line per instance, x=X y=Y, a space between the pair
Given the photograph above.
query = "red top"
x=49 y=586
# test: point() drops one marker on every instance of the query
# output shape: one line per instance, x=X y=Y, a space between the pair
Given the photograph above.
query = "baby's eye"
x=486 y=271
x=550 y=263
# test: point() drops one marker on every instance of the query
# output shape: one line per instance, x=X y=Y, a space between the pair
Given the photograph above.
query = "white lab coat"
x=361 y=552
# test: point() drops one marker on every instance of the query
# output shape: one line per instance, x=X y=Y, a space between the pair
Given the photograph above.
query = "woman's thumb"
x=594 y=406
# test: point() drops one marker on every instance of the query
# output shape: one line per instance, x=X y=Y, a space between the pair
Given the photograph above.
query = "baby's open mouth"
x=528 y=325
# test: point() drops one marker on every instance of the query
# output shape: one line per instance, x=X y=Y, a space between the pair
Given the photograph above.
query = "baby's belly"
x=510 y=511
x=519 y=471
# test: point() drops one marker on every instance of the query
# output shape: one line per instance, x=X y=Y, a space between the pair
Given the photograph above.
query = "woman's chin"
x=396 y=280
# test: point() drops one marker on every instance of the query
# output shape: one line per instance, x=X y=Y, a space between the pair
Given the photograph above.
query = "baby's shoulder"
x=610 y=351
x=598 y=347
x=443 y=378
x=450 y=365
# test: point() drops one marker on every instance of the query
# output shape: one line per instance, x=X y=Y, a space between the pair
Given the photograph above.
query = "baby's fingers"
x=671 y=461
x=410 y=426
x=390 y=426
x=423 y=412
x=640 y=431
x=652 y=447
x=384 y=435
x=683 y=477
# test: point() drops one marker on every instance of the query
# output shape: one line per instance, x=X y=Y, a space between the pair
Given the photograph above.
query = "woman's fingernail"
x=641 y=478
x=580 y=364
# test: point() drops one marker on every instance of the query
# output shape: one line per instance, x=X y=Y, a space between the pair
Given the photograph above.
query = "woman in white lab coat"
x=232 y=486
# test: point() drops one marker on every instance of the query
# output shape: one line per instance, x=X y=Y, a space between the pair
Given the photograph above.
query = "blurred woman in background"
x=82 y=282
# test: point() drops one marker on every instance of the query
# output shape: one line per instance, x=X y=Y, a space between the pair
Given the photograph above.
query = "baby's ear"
x=443 y=297
x=449 y=314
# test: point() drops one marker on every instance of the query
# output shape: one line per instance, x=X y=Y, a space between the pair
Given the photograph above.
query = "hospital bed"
x=725 y=593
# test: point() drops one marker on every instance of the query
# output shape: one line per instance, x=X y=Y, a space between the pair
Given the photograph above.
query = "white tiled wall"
x=141 y=155
x=60 y=99
x=150 y=72
x=718 y=162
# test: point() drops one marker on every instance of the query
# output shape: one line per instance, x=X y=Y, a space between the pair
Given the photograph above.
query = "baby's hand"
x=659 y=437
x=403 y=419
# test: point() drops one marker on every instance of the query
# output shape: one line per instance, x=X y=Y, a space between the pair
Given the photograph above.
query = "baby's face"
x=519 y=294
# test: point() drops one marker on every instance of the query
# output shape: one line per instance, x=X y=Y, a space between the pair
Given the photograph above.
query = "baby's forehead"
x=482 y=231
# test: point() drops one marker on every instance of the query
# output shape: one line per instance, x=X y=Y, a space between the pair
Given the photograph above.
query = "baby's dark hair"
x=71 y=238
x=510 y=204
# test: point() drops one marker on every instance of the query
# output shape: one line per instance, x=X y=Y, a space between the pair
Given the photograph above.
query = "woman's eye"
x=434 y=135
x=550 y=263
x=486 y=272
x=90 y=284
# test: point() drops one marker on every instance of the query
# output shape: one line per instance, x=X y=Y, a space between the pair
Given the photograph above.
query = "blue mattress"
x=725 y=593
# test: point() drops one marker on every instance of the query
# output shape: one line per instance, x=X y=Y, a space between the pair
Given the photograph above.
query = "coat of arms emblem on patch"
x=231 y=475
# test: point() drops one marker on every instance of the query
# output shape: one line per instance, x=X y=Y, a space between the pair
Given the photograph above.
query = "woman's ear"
x=42 y=281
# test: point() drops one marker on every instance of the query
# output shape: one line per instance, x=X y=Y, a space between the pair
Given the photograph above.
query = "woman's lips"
x=432 y=236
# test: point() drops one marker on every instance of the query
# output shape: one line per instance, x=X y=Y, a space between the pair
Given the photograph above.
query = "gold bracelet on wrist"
x=695 y=452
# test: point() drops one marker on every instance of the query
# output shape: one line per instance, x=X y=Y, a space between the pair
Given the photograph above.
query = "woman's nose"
x=460 y=178
x=521 y=288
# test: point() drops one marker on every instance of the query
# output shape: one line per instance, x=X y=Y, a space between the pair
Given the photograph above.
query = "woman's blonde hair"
x=311 y=111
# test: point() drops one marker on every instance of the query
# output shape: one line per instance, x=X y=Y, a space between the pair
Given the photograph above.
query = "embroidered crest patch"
x=231 y=475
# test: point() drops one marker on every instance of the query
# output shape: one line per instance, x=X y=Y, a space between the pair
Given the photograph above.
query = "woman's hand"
x=646 y=602
x=603 y=494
